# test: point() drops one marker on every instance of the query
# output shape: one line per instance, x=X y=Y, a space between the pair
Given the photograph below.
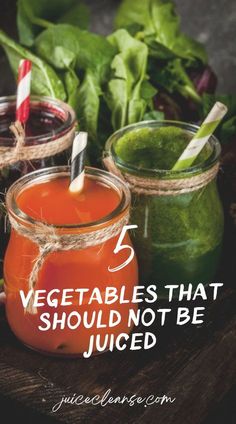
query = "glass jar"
x=180 y=231
x=64 y=268
x=49 y=120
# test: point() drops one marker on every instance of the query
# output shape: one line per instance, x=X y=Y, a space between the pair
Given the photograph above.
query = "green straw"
x=201 y=137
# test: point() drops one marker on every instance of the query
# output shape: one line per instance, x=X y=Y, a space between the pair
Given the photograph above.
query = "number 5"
x=120 y=247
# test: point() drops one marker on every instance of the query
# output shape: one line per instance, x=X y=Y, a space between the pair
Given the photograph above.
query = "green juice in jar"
x=179 y=235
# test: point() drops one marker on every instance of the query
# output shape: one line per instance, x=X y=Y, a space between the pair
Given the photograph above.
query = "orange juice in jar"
x=61 y=249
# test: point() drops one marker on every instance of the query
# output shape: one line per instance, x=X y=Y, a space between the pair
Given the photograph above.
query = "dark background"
x=212 y=22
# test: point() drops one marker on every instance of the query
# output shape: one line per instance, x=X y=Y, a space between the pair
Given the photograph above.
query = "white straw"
x=77 y=162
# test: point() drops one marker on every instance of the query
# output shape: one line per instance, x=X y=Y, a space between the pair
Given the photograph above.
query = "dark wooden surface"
x=194 y=364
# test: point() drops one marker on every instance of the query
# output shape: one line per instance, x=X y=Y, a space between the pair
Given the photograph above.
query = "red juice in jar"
x=49 y=120
x=43 y=197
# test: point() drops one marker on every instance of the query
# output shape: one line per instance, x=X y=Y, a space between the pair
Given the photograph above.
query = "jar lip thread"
x=128 y=167
x=52 y=172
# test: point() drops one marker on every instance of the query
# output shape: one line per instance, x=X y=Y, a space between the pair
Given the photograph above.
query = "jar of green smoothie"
x=178 y=213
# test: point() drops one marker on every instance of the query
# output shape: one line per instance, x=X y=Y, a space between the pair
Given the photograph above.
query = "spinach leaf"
x=129 y=67
x=167 y=30
x=147 y=92
x=88 y=104
x=131 y=14
x=72 y=83
x=173 y=78
x=78 y=15
x=156 y=115
x=226 y=131
x=158 y=50
x=65 y=45
x=68 y=48
x=44 y=81
x=159 y=24
x=64 y=59
x=34 y=15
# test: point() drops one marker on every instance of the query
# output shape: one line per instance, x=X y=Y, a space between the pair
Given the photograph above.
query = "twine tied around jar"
x=20 y=152
x=162 y=187
x=49 y=241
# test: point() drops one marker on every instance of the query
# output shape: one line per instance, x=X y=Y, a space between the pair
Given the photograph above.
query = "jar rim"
x=67 y=124
x=162 y=173
x=46 y=174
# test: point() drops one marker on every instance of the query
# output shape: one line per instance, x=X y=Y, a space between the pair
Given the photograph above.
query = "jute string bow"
x=19 y=152
x=162 y=187
x=49 y=241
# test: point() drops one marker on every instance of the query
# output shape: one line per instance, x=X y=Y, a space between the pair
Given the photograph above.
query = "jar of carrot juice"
x=60 y=260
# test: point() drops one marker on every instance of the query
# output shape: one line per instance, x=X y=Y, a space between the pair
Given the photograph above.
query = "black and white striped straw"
x=77 y=162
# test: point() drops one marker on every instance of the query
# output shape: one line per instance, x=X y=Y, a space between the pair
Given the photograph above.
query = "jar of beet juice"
x=178 y=213
x=65 y=241
x=49 y=132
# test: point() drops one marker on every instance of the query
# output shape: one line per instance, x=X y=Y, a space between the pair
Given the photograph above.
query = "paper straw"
x=77 y=162
x=201 y=137
x=23 y=91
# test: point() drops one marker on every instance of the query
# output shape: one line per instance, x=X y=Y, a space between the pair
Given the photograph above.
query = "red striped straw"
x=23 y=91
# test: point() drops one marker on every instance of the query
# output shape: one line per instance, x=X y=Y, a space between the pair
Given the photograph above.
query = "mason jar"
x=178 y=213
x=49 y=133
x=67 y=256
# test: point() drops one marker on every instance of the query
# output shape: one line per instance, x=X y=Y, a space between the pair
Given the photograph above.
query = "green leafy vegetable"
x=35 y=15
x=173 y=78
x=72 y=88
x=157 y=50
x=77 y=15
x=128 y=80
x=65 y=45
x=156 y=22
x=70 y=49
x=227 y=129
x=111 y=82
x=89 y=102
x=45 y=81
x=147 y=92
x=155 y=115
